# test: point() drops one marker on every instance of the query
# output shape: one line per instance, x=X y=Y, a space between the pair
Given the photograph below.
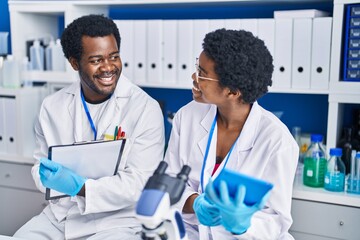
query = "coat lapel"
x=74 y=110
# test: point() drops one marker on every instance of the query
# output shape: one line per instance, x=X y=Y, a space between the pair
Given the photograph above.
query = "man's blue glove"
x=206 y=212
x=235 y=214
x=60 y=178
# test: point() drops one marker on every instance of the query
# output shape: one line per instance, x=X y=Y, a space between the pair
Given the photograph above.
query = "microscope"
x=154 y=209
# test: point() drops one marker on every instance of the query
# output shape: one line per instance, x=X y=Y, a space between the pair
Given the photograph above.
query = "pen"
x=116 y=132
x=122 y=134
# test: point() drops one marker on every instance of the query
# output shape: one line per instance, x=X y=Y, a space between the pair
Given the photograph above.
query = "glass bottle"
x=335 y=172
x=347 y=143
x=315 y=163
x=296 y=132
x=356 y=123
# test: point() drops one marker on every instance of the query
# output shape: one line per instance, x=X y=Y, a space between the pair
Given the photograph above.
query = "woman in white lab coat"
x=224 y=127
x=103 y=208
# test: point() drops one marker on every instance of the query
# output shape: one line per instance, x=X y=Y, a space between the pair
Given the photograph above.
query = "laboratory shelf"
x=298 y=91
x=16 y=159
x=120 y=2
x=51 y=76
x=302 y=192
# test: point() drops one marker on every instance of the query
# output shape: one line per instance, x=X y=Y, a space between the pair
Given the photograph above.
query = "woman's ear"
x=74 y=63
x=234 y=93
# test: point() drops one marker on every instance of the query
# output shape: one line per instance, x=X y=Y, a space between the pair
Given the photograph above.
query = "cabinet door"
x=305 y=236
x=2 y=127
x=11 y=139
x=17 y=207
x=324 y=220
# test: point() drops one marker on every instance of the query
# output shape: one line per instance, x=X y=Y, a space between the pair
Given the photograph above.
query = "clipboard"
x=94 y=159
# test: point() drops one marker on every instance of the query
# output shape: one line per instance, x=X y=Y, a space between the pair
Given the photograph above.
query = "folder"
x=170 y=43
x=250 y=25
x=93 y=160
x=2 y=126
x=126 y=29
x=154 y=51
x=302 y=13
x=215 y=24
x=186 y=61
x=320 y=54
x=266 y=32
x=232 y=24
x=201 y=28
x=283 y=53
x=140 y=51
x=301 y=55
x=10 y=115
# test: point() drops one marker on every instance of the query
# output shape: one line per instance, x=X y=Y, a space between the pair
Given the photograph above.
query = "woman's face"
x=206 y=88
x=99 y=67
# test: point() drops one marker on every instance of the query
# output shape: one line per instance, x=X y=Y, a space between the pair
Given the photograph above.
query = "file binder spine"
x=351 y=61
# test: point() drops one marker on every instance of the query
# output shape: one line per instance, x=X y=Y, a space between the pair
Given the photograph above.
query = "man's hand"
x=60 y=178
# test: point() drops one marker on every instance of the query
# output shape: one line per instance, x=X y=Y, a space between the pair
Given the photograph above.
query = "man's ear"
x=74 y=63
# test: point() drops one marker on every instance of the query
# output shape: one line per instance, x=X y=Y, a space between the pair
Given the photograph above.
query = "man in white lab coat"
x=87 y=110
x=225 y=127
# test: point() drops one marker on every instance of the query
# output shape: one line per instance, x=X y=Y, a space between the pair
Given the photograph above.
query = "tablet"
x=255 y=188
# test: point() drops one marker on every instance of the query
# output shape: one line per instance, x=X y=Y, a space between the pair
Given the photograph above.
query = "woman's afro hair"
x=242 y=62
x=90 y=25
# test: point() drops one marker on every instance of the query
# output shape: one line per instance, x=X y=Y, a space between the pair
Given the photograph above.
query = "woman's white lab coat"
x=109 y=201
x=265 y=149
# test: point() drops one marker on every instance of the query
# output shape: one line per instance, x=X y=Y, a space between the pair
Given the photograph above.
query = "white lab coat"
x=265 y=149
x=109 y=201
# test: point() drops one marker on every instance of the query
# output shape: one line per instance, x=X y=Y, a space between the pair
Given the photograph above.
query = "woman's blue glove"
x=235 y=215
x=60 y=178
x=206 y=212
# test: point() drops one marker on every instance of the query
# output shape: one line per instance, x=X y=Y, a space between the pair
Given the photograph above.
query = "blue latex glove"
x=57 y=177
x=235 y=214
x=206 y=212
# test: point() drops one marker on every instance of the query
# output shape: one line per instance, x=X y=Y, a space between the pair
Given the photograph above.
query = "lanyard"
x=88 y=115
x=207 y=153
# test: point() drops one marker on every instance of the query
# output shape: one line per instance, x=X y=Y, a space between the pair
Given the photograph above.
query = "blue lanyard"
x=207 y=153
x=88 y=115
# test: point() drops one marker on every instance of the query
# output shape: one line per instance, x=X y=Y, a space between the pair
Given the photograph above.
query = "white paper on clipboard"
x=93 y=160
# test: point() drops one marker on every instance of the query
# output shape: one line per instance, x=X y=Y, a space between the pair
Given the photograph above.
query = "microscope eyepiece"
x=184 y=173
x=161 y=168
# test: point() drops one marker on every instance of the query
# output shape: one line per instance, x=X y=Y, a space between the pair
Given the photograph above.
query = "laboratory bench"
x=319 y=214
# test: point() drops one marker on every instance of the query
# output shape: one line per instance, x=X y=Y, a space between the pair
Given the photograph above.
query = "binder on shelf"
x=83 y=158
x=249 y=25
x=154 y=51
x=266 y=32
x=126 y=28
x=232 y=24
x=305 y=13
x=186 y=62
x=320 y=53
x=2 y=126
x=170 y=43
x=140 y=51
x=215 y=24
x=10 y=125
x=283 y=53
x=201 y=28
x=301 y=55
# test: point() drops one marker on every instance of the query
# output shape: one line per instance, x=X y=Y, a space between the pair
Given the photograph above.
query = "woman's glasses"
x=197 y=71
